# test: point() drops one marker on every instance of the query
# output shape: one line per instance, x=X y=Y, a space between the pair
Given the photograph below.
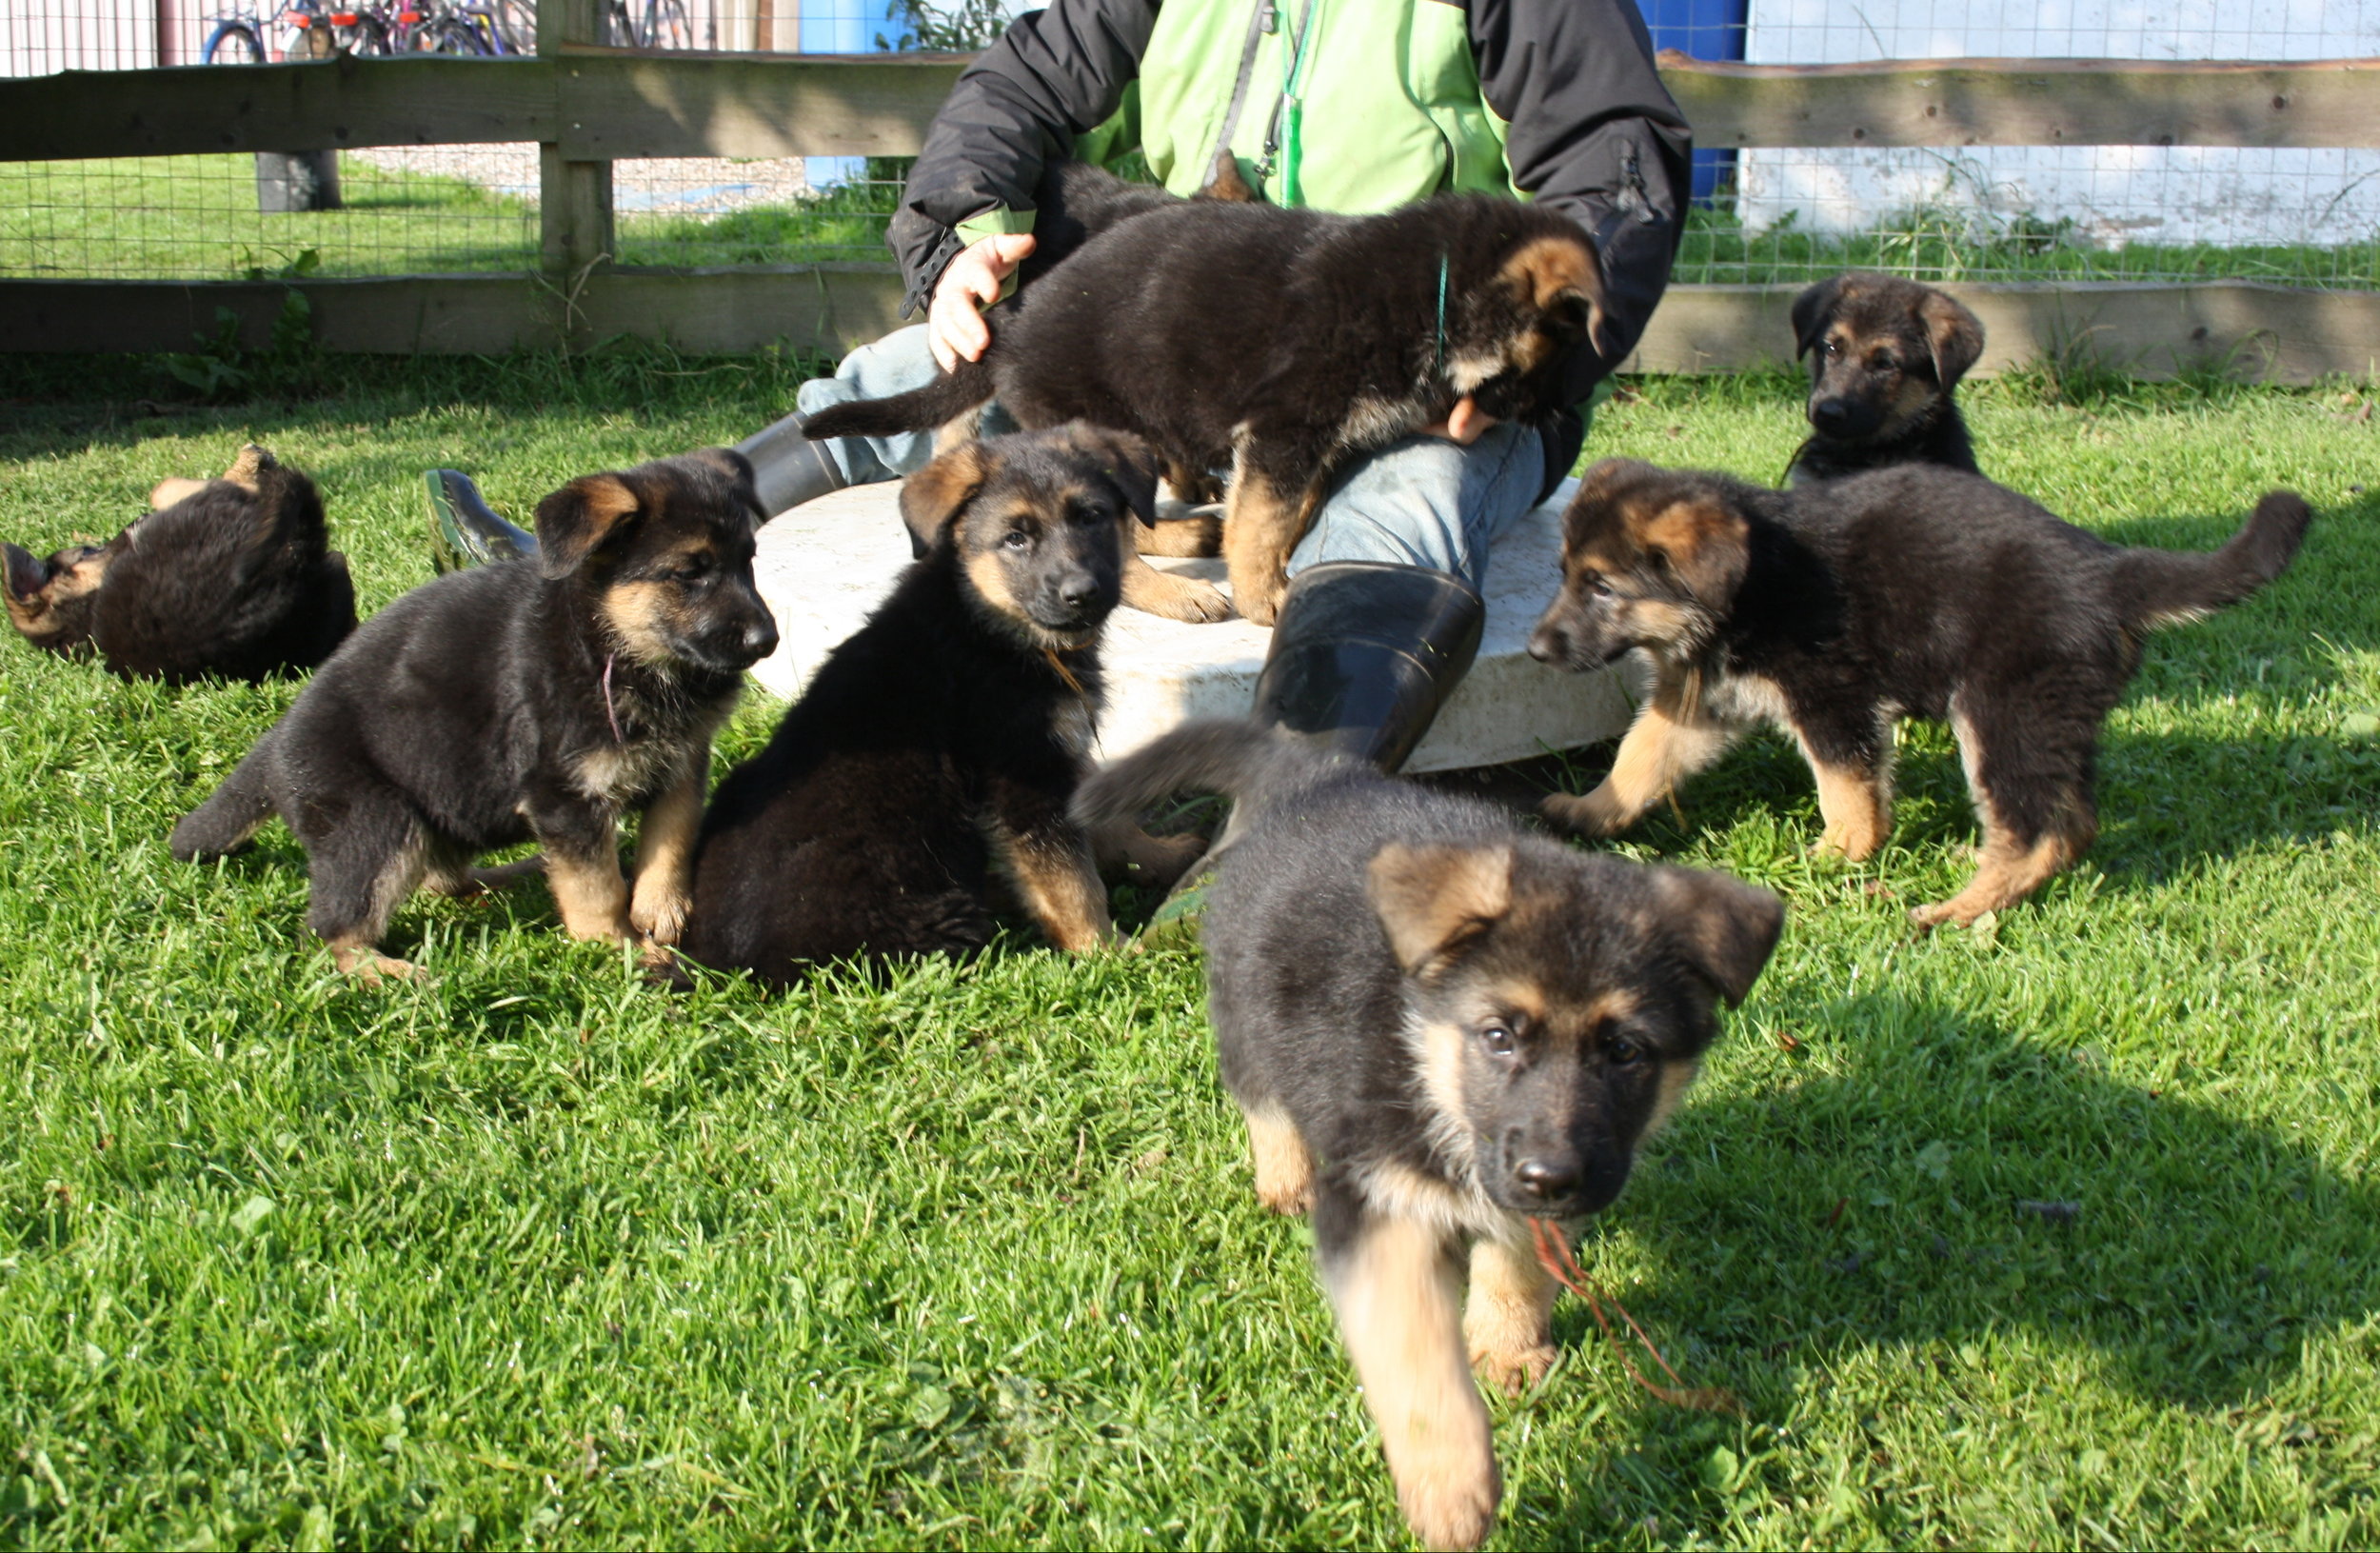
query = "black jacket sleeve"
x=1592 y=133
x=1054 y=74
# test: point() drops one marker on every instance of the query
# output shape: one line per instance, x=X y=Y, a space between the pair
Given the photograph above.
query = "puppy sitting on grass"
x=948 y=734
x=1886 y=355
x=1832 y=611
x=1439 y=1028
x=542 y=698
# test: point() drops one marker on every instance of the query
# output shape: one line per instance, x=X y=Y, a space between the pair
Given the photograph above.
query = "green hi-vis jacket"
x=1340 y=105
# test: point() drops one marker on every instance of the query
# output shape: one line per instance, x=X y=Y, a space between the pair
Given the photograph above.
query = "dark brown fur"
x=233 y=577
x=537 y=699
x=1438 y=1027
x=1834 y=610
x=943 y=738
x=1886 y=355
x=1283 y=342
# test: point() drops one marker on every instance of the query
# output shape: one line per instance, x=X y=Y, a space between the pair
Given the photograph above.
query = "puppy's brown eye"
x=1599 y=587
x=1832 y=349
x=1622 y=1052
x=1015 y=539
x=1498 y=1039
x=693 y=568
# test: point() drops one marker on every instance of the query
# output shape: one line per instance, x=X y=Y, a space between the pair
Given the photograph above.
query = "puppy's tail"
x=222 y=824
x=946 y=399
x=2166 y=588
x=1239 y=760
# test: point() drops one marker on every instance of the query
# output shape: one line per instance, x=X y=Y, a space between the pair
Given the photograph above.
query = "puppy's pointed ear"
x=1433 y=900
x=1724 y=928
x=1812 y=311
x=1703 y=542
x=249 y=466
x=1956 y=334
x=1227 y=184
x=579 y=519
x=28 y=573
x=738 y=469
x=1131 y=463
x=935 y=494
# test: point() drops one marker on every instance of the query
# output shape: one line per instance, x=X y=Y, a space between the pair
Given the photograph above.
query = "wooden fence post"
x=574 y=198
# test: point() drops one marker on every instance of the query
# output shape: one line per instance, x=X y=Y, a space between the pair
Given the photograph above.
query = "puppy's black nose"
x=760 y=639
x=1076 y=594
x=1547 y=1179
x=1547 y=646
x=1831 y=416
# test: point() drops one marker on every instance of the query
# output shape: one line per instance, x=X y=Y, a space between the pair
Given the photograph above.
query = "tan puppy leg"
x=664 y=853
x=1174 y=598
x=1284 y=1168
x=1857 y=808
x=1508 y=1319
x=589 y=892
x=1060 y=885
x=167 y=491
x=1669 y=741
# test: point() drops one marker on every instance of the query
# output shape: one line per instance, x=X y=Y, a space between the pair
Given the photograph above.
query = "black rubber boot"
x=465 y=530
x=788 y=467
x=1363 y=654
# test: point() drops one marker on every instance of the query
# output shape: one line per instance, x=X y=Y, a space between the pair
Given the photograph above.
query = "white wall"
x=2114 y=194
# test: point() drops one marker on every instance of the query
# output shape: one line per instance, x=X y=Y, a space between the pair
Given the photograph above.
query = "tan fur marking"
x=1545 y=267
x=1170 y=596
x=1198 y=534
x=252 y=462
x=1857 y=810
x=1911 y=398
x=958 y=431
x=592 y=896
x=1260 y=530
x=1708 y=544
x=1061 y=886
x=1284 y=1166
x=1395 y=1293
x=172 y=489
x=1670 y=740
x=1675 y=1079
x=2006 y=869
x=1507 y=1321
x=635 y=611
x=990 y=582
x=361 y=962
x=1430 y=899
x=356 y=952
x=931 y=496
x=664 y=853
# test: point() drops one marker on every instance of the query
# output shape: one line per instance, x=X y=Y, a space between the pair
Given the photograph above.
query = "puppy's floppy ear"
x=1812 y=311
x=1703 y=542
x=28 y=573
x=1131 y=463
x=738 y=469
x=576 y=521
x=1561 y=278
x=1956 y=334
x=1226 y=182
x=933 y=495
x=1433 y=900
x=1722 y=928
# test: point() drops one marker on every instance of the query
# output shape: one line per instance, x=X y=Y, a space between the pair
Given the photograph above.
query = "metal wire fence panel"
x=2051 y=213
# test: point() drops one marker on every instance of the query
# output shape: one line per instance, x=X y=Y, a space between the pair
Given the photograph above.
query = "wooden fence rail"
x=587 y=105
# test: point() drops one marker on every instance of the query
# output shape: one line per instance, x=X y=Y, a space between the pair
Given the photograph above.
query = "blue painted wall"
x=847 y=27
x=1704 y=29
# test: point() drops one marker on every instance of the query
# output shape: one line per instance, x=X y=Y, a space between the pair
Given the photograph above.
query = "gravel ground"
x=687 y=186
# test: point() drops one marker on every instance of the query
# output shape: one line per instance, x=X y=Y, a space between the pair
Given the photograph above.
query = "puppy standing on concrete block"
x=1886 y=355
x=1832 y=611
x=233 y=577
x=1439 y=1028
x=542 y=698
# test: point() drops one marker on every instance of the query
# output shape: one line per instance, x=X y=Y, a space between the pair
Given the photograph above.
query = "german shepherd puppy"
x=1886 y=355
x=1832 y=611
x=1438 y=1027
x=232 y=577
x=945 y=737
x=540 y=698
x=1281 y=342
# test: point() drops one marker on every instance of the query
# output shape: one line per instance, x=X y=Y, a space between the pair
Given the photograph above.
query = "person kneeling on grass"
x=1325 y=103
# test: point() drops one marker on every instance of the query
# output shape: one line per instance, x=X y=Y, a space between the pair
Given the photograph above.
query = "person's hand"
x=970 y=282
x=1464 y=424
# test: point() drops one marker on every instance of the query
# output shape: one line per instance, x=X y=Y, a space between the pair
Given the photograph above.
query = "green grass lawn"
x=540 y=1255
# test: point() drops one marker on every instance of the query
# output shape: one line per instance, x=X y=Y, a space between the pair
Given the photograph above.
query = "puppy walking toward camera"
x=538 y=698
x=232 y=577
x=1886 y=355
x=943 y=738
x=1284 y=342
x=1832 y=611
x=1439 y=1028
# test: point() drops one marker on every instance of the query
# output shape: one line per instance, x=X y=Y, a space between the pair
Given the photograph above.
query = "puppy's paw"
x=658 y=917
x=1449 y=1497
x=1290 y=1198
x=1514 y=1370
x=368 y=967
x=1171 y=597
x=1595 y=814
x=1845 y=846
x=1957 y=911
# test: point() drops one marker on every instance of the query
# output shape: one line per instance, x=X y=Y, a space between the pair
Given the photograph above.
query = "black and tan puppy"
x=945 y=737
x=1283 y=342
x=1835 y=610
x=232 y=577
x=1439 y=1028
x=1886 y=355
x=539 y=699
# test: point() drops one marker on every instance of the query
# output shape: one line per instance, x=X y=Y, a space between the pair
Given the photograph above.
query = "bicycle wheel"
x=361 y=33
x=516 y=22
x=456 y=36
x=671 y=27
x=619 y=26
x=234 y=43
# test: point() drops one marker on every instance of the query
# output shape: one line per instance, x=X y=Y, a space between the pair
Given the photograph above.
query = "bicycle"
x=244 y=37
x=489 y=29
x=663 y=25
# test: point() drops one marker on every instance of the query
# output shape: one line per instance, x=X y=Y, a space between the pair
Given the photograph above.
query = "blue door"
x=1700 y=29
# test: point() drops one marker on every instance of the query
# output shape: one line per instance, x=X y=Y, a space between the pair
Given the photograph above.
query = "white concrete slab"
x=823 y=565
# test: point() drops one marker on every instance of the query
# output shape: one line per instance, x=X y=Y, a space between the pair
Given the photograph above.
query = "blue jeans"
x=1421 y=501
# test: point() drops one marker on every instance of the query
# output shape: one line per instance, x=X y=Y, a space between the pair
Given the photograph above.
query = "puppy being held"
x=538 y=698
x=943 y=738
x=1284 y=342
x=1886 y=355
x=1835 y=610
x=1439 y=1028
x=232 y=577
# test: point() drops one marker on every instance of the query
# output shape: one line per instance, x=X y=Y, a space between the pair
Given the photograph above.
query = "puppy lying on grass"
x=540 y=698
x=232 y=577
x=1439 y=1028
x=1832 y=611
x=1283 y=342
x=945 y=736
